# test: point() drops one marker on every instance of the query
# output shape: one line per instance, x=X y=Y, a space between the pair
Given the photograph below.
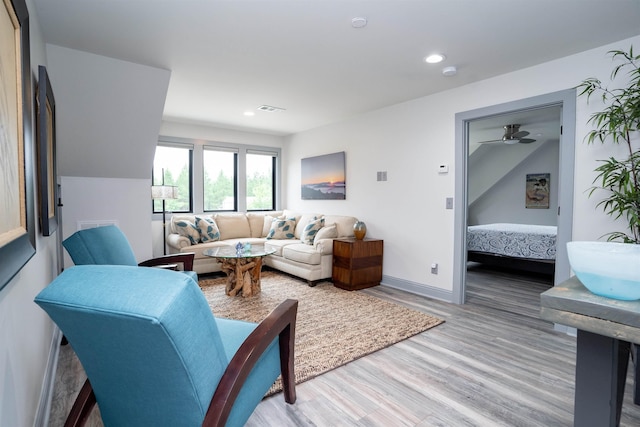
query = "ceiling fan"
x=512 y=135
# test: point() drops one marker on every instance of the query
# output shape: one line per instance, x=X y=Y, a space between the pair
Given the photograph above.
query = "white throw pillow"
x=329 y=231
x=268 y=219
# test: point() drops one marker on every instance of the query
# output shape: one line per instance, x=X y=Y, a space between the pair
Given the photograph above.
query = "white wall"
x=505 y=201
x=25 y=330
x=125 y=201
x=410 y=139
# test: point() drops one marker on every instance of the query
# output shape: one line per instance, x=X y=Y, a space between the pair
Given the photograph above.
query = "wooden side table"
x=357 y=264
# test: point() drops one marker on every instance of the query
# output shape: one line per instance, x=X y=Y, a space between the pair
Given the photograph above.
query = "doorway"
x=564 y=103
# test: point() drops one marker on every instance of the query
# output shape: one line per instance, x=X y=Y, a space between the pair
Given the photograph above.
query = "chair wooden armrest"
x=280 y=322
x=186 y=259
x=82 y=406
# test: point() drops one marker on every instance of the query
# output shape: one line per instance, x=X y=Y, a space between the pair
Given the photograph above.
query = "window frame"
x=274 y=163
x=185 y=146
x=209 y=147
x=197 y=170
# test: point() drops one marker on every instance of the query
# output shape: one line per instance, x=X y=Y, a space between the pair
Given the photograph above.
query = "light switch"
x=449 y=203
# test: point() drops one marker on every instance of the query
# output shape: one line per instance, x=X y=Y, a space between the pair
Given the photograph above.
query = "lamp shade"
x=163 y=192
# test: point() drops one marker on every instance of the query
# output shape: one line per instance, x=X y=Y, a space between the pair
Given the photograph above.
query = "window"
x=217 y=176
x=260 y=173
x=172 y=166
x=220 y=168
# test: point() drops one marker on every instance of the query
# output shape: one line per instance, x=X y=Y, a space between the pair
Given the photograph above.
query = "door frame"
x=566 y=99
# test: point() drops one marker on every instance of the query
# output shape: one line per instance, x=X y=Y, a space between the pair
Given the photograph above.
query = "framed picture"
x=323 y=177
x=17 y=228
x=537 y=191
x=47 y=181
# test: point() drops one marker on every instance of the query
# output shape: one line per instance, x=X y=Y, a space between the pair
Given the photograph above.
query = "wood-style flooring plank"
x=493 y=363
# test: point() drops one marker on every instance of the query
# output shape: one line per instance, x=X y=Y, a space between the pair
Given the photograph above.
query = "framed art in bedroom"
x=17 y=229
x=537 y=191
x=46 y=132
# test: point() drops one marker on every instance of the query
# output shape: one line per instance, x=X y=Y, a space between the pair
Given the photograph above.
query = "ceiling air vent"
x=270 y=109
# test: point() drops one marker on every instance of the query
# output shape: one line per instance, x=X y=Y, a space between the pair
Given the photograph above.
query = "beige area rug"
x=333 y=326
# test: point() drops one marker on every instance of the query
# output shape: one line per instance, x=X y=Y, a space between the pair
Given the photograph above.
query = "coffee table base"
x=243 y=275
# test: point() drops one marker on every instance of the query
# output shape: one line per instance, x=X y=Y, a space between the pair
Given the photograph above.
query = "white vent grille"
x=83 y=225
x=270 y=109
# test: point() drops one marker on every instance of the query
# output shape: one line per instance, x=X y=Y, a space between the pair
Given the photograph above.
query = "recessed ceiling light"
x=249 y=113
x=359 y=22
x=435 y=58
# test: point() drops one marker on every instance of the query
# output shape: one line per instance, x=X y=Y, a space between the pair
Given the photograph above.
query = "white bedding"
x=515 y=240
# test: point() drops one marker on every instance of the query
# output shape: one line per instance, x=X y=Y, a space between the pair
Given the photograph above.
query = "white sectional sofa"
x=303 y=241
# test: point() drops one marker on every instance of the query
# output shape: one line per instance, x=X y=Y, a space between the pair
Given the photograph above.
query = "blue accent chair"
x=154 y=353
x=109 y=246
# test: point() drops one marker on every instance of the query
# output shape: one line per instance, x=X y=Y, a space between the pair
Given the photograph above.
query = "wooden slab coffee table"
x=242 y=268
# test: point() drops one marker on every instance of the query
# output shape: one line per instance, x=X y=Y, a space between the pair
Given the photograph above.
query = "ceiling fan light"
x=510 y=141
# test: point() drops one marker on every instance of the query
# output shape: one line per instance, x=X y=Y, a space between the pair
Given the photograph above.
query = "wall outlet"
x=434 y=268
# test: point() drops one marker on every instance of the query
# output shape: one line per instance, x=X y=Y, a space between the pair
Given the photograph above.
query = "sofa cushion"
x=279 y=244
x=302 y=253
x=187 y=229
x=256 y=223
x=208 y=228
x=310 y=230
x=233 y=225
x=282 y=229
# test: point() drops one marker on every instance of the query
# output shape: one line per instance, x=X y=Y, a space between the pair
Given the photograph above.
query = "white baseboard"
x=48 y=383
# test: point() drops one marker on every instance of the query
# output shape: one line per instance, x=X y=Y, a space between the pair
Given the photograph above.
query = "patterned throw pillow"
x=282 y=229
x=208 y=229
x=189 y=230
x=309 y=232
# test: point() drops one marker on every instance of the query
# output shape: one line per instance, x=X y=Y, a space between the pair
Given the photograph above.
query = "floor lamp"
x=164 y=192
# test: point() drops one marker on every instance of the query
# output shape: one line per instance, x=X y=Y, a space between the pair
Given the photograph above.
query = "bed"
x=517 y=246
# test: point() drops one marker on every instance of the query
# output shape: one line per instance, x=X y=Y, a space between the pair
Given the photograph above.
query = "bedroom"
x=513 y=183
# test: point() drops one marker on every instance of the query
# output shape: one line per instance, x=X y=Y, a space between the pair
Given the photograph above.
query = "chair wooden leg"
x=82 y=407
x=286 y=340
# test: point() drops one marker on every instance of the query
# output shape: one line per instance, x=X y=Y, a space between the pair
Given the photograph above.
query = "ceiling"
x=231 y=56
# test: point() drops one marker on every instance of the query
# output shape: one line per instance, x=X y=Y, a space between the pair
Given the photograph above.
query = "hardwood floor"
x=493 y=363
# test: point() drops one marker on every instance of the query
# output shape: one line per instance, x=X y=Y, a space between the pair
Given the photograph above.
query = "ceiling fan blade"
x=526 y=140
x=492 y=141
x=520 y=134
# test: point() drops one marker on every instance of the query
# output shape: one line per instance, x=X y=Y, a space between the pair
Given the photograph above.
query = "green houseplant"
x=618 y=123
